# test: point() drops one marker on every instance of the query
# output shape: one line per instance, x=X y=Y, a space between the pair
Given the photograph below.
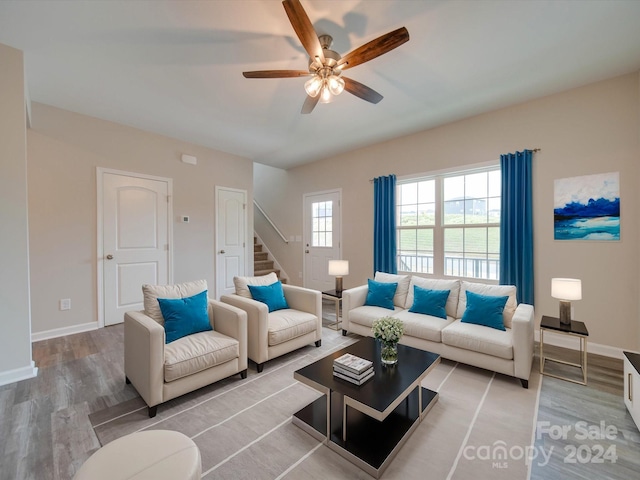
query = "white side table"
x=632 y=385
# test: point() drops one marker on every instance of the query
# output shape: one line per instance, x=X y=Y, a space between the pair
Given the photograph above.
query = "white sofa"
x=509 y=352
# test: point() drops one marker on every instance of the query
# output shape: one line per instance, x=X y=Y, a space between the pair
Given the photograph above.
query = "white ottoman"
x=150 y=455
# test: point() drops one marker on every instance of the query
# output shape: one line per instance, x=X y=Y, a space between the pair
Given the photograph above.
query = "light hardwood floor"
x=46 y=433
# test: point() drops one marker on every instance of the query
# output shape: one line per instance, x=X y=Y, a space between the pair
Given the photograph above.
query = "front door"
x=231 y=238
x=322 y=238
x=135 y=239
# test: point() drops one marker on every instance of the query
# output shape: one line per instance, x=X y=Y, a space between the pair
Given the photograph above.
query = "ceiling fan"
x=325 y=65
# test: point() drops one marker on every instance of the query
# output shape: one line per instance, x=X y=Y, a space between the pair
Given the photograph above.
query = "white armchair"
x=159 y=371
x=271 y=335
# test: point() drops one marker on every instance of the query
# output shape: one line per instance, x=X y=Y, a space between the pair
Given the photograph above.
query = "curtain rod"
x=534 y=150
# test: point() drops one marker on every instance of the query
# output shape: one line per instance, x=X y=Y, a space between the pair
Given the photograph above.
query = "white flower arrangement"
x=388 y=329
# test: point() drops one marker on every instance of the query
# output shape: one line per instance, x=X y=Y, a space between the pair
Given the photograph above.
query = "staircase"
x=261 y=263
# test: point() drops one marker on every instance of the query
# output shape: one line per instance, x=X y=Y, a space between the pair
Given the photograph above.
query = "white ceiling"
x=175 y=67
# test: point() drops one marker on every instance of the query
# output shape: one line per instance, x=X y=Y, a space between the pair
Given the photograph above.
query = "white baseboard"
x=60 y=332
x=17 y=374
x=573 y=344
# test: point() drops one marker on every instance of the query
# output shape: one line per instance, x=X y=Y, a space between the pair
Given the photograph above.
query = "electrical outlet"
x=65 y=304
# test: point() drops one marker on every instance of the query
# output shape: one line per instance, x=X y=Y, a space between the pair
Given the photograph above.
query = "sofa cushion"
x=197 y=352
x=437 y=284
x=366 y=315
x=287 y=324
x=151 y=293
x=479 y=339
x=400 y=298
x=429 y=302
x=185 y=316
x=272 y=295
x=492 y=291
x=380 y=294
x=423 y=326
x=242 y=283
x=484 y=310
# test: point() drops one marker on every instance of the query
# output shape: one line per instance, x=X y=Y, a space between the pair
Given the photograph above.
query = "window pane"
x=426 y=214
x=408 y=240
x=425 y=240
x=408 y=193
x=408 y=215
x=476 y=210
x=494 y=210
x=453 y=188
x=315 y=240
x=453 y=240
x=476 y=185
x=427 y=191
x=475 y=241
x=493 y=240
x=454 y=212
x=495 y=183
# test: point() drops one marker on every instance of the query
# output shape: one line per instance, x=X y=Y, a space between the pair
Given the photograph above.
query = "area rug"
x=481 y=427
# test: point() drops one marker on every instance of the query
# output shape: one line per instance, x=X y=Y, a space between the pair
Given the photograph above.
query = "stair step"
x=262 y=264
x=255 y=240
x=260 y=256
x=257 y=248
x=260 y=273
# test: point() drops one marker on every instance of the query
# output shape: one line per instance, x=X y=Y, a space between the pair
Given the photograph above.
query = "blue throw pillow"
x=429 y=302
x=184 y=316
x=272 y=295
x=485 y=310
x=381 y=294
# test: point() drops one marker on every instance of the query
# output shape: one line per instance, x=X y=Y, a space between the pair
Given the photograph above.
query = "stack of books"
x=353 y=369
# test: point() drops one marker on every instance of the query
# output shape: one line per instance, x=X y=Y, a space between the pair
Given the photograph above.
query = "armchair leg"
x=152 y=411
x=344 y=332
x=127 y=381
x=260 y=367
x=525 y=383
x=243 y=374
x=318 y=343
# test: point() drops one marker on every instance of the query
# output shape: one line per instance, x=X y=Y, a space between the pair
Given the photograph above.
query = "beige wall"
x=15 y=341
x=592 y=129
x=64 y=150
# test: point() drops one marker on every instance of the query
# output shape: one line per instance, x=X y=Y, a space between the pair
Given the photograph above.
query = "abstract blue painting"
x=587 y=208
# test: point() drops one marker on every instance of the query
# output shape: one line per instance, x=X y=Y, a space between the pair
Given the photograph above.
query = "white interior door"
x=135 y=240
x=322 y=238
x=231 y=238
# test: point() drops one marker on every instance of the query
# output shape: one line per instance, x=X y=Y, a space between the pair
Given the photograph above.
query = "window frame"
x=439 y=227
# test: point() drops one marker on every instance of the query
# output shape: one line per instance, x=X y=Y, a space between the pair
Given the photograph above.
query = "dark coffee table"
x=368 y=424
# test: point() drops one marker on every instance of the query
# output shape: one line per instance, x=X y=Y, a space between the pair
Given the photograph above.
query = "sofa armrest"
x=257 y=325
x=144 y=341
x=352 y=298
x=303 y=299
x=232 y=322
x=522 y=324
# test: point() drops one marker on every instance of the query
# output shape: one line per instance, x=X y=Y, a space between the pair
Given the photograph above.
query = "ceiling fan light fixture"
x=313 y=86
x=336 y=84
x=325 y=96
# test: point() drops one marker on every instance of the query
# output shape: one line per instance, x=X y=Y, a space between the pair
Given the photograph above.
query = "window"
x=450 y=224
x=322 y=226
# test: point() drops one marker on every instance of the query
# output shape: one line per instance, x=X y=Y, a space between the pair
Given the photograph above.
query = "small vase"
x=389 y=353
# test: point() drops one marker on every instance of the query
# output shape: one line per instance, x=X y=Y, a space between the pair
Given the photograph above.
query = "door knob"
x=306 y=251
x=109 y=257
x=222 y=252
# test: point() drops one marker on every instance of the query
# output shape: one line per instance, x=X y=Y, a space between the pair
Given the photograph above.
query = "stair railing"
x=284 y=239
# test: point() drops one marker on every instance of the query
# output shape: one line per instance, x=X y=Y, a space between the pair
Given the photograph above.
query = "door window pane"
x=322 y=224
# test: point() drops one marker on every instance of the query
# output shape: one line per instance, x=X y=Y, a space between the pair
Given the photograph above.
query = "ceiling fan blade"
x=374 y=48
x=303 y=28
x=309 y=104
x=362 y=91
x=276 y=74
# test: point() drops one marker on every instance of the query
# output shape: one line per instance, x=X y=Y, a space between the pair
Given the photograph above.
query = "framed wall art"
x=587 y=207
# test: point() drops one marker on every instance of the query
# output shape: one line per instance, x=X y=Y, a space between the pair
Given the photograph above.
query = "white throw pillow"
x=242 y=283
x=151 y=293
x=403 y=286
x=451 y=307
x=492 y=291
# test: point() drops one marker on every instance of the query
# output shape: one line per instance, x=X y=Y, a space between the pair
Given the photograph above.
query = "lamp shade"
x=338 y=267
x=566 y=288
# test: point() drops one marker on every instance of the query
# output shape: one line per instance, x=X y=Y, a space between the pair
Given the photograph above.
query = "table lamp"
x=338 y=268
x=565 y=290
